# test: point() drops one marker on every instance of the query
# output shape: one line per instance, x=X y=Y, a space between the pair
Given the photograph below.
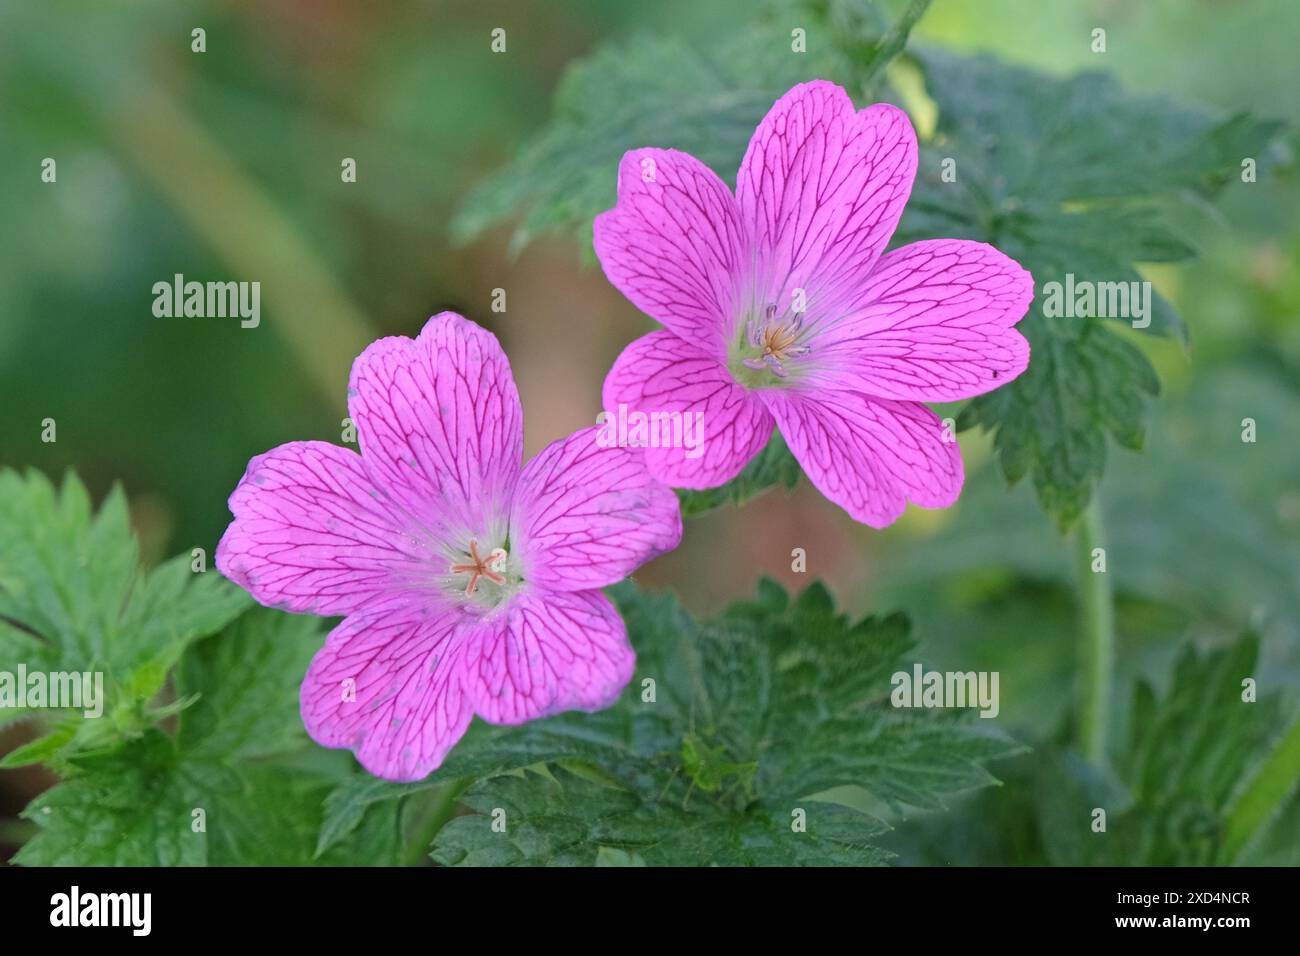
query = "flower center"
x=491 y=566
x=765 y=345
x=777 y=340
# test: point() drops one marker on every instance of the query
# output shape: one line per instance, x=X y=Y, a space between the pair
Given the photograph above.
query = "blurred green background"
x=225 y=165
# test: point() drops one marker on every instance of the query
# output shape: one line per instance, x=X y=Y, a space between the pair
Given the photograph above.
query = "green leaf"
x=41 y=750
x=1278 y=844
x=64 y=571
x=274 y=814
x=18 y=646
x=1189 y=753
x=1053 y=420
x=347 y=805
x=262 y=811
x=246 y=681
x=211 y=795
x=556 y=819
x=764 y=735
x=609 y=856
x=73 y=597
x=173 y=606
x=128 y=808
x=1267 y=791
x=1197 y=491
x=1069 y=177
x=1190 y=750
x=562 y=819
x=652 y=91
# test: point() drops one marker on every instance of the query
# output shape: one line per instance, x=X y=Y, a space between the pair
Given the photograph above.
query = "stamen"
x=492 y=568
x=776 y=341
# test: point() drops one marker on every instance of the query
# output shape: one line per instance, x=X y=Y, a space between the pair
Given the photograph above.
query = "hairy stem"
x=1098 y=644
x=895 y=38
x=1273 y=783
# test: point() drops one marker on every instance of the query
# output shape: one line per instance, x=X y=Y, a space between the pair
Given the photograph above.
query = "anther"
x=491 y=568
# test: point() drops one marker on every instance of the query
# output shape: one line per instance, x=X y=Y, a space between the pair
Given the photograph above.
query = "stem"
x=247 y=229
x=1273 y=782
x=1098 y=646
x=893 y=40
x=441 y=809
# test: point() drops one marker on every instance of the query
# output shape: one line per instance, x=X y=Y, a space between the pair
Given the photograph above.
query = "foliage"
x=766 y=735
x=755 y=718
x=1172 y=794
x=758 y=737
x=1069 y=177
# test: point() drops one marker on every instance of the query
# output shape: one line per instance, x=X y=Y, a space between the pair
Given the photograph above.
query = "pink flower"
x=469 y=584
x=780 y=309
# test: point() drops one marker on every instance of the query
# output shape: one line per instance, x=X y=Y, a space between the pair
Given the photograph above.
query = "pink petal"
x=548 y=653
x=659 y=374
x=440 y=425
x=869 y=456
x=391 y=687
x=586 y=516
x=822 y=187
x=673 y=245
x=933 y=323
x=312 y=533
